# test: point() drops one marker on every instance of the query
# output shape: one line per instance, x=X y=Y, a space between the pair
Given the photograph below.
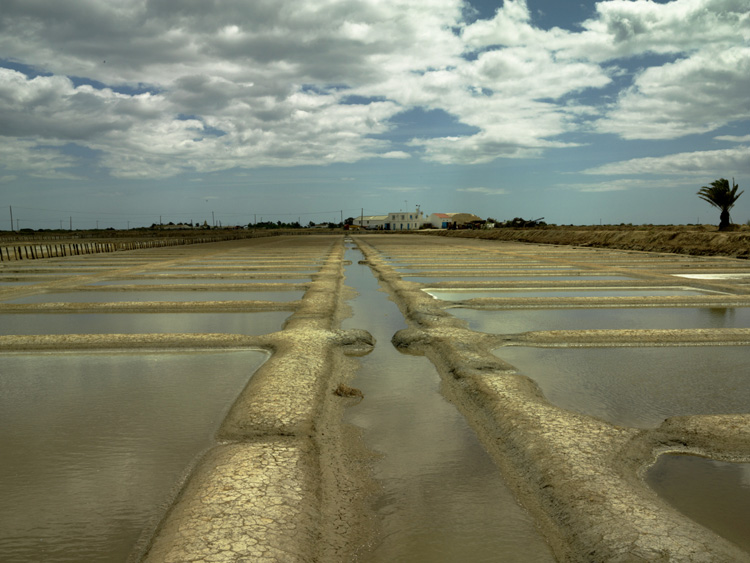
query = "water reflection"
x=141 y=296
x=464 y=294
x=93 y=445
x=639 y=387
x=166 y=281
x=143 y=323
x=714 y=493
x=514 y=321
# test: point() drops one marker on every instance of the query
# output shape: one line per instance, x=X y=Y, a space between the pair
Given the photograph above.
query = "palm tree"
x=719 y=195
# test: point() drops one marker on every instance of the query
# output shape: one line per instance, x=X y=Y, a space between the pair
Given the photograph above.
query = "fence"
x=49 y=250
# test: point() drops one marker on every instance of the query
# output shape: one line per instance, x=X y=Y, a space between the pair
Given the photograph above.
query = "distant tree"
x=721 y=196
x=349 y=221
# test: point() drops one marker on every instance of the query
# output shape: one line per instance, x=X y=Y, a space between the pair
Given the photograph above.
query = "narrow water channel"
x=441 y=497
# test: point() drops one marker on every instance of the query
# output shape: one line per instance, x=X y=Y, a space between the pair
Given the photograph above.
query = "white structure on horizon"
x=398 y=221
x=371 y=221
x=443 y=220
x=405 y=221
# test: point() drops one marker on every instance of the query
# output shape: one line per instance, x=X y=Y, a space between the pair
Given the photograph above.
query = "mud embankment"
x=697 y=241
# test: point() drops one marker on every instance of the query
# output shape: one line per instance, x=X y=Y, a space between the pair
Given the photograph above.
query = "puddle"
x=141 y=296
x=193 y=281
x=513 y=321
x=94 y=445
x=455 y=294
x=442 y=499
x=262 y=322
x=639 y=387
x=716 y=494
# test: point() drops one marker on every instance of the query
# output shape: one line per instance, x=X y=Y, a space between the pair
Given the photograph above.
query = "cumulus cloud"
x=693 y=95
x=37 y=161
x=168 y=86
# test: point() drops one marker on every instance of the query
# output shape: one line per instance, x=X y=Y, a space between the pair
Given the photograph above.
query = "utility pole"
x=361 y=216
x=342 y=216
x=11 y=217
x=213 y=219
x=97 y=225
x=71 y=222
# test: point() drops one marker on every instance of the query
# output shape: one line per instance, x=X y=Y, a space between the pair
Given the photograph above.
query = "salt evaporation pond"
x=639 y=386
x=96 y=445
x=714 y=493
x=194 y=281
x=455 y=294
x=512 y=321
x=548 y=279
x=261 y=322
x=141 y=296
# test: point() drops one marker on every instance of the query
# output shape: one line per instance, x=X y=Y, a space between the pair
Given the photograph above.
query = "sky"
x=124 y=113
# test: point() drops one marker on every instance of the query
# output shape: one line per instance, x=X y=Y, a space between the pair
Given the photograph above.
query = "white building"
x=371 y=221
x=404 y=221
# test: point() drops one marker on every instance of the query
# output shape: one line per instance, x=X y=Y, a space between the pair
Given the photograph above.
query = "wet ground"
x=528 y=427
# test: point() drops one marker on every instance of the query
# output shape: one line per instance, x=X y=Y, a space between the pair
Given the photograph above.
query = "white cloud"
x=26 y=156
x=623 y=184
x=711 y=163
x=734 y=138
x=484 y=191
x=237 y=84
x=694 y=95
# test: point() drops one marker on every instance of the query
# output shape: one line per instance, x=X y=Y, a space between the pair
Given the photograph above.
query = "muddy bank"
x=698 y=241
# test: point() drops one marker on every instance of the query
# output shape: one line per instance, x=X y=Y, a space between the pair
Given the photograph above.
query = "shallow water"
x=262 y=322
x=193 y=281
x=141 y=296
x=514 y=321
x=714 y=493
x=442 y=499
x=548 y=279
x=495 y=269
x=639 y=387
x=94 y=445
x=454 y=294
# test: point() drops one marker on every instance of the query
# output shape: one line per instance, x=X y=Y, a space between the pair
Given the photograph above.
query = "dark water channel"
x=95 y=445
x=441 y=497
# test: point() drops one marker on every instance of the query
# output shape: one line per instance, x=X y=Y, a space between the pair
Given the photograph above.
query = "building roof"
x=372 y=218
